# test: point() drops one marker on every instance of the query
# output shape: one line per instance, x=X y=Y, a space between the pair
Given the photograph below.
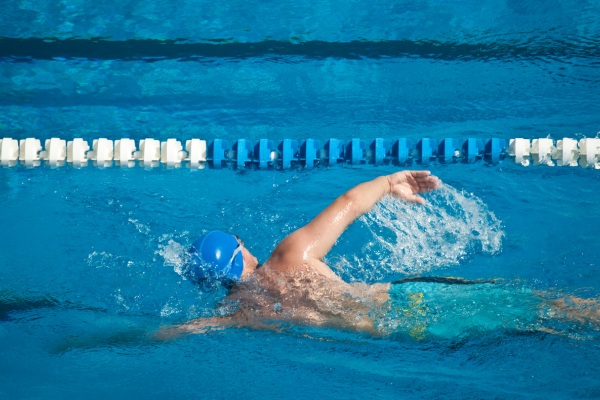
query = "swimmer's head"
x=216 y=257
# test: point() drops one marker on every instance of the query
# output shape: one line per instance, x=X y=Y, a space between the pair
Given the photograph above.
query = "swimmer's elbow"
x=351 y=204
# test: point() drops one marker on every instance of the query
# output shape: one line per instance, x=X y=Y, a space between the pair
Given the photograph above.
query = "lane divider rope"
x=291 y=153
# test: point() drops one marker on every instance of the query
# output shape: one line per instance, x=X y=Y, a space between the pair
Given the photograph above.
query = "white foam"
x=171 y=308
x=175 y=255
x=141 y=228
x=408 y=238
x=102 y=259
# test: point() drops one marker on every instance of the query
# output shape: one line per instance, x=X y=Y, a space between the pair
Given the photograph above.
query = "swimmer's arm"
x=196 y=326
x=312 y=242
x=212 y=324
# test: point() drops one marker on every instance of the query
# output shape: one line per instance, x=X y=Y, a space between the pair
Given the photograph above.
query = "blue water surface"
x=90 y=258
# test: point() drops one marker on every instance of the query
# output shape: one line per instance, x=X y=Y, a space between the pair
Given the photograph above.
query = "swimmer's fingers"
x=422 y=181
x=406 y=184
x=419 y=181
x=415 y=199
x=405 y=191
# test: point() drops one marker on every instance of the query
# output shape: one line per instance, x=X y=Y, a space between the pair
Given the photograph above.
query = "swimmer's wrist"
x=388 y=181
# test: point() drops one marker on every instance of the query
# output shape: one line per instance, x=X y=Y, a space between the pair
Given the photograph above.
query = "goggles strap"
x=235 y=253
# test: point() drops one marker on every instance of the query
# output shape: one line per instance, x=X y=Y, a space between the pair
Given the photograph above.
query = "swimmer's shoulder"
x=292 y=256
x=292 y=265
x=296 y=248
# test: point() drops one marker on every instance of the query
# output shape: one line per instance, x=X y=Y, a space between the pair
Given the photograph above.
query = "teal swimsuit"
x=451 y=308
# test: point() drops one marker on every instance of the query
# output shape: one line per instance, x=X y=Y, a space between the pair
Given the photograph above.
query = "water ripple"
x=526 y=47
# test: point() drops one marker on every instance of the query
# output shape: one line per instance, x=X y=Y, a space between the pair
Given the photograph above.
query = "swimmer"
x=295 y=287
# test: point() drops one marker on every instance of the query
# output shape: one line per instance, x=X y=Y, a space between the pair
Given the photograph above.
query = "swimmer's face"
x=250 y=262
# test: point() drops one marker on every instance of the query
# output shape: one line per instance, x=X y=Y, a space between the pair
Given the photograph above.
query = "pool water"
x=90 y=260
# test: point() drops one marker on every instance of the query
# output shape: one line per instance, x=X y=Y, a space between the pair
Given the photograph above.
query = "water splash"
x=102 y=259
x=407 y=238
x=140 y=227
x=187 y=300
x=174 y=254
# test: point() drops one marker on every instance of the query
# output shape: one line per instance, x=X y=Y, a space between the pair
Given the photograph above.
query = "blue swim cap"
x=211 y=258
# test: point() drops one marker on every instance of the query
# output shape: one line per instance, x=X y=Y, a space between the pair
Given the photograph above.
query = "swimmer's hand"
x=406 y=184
